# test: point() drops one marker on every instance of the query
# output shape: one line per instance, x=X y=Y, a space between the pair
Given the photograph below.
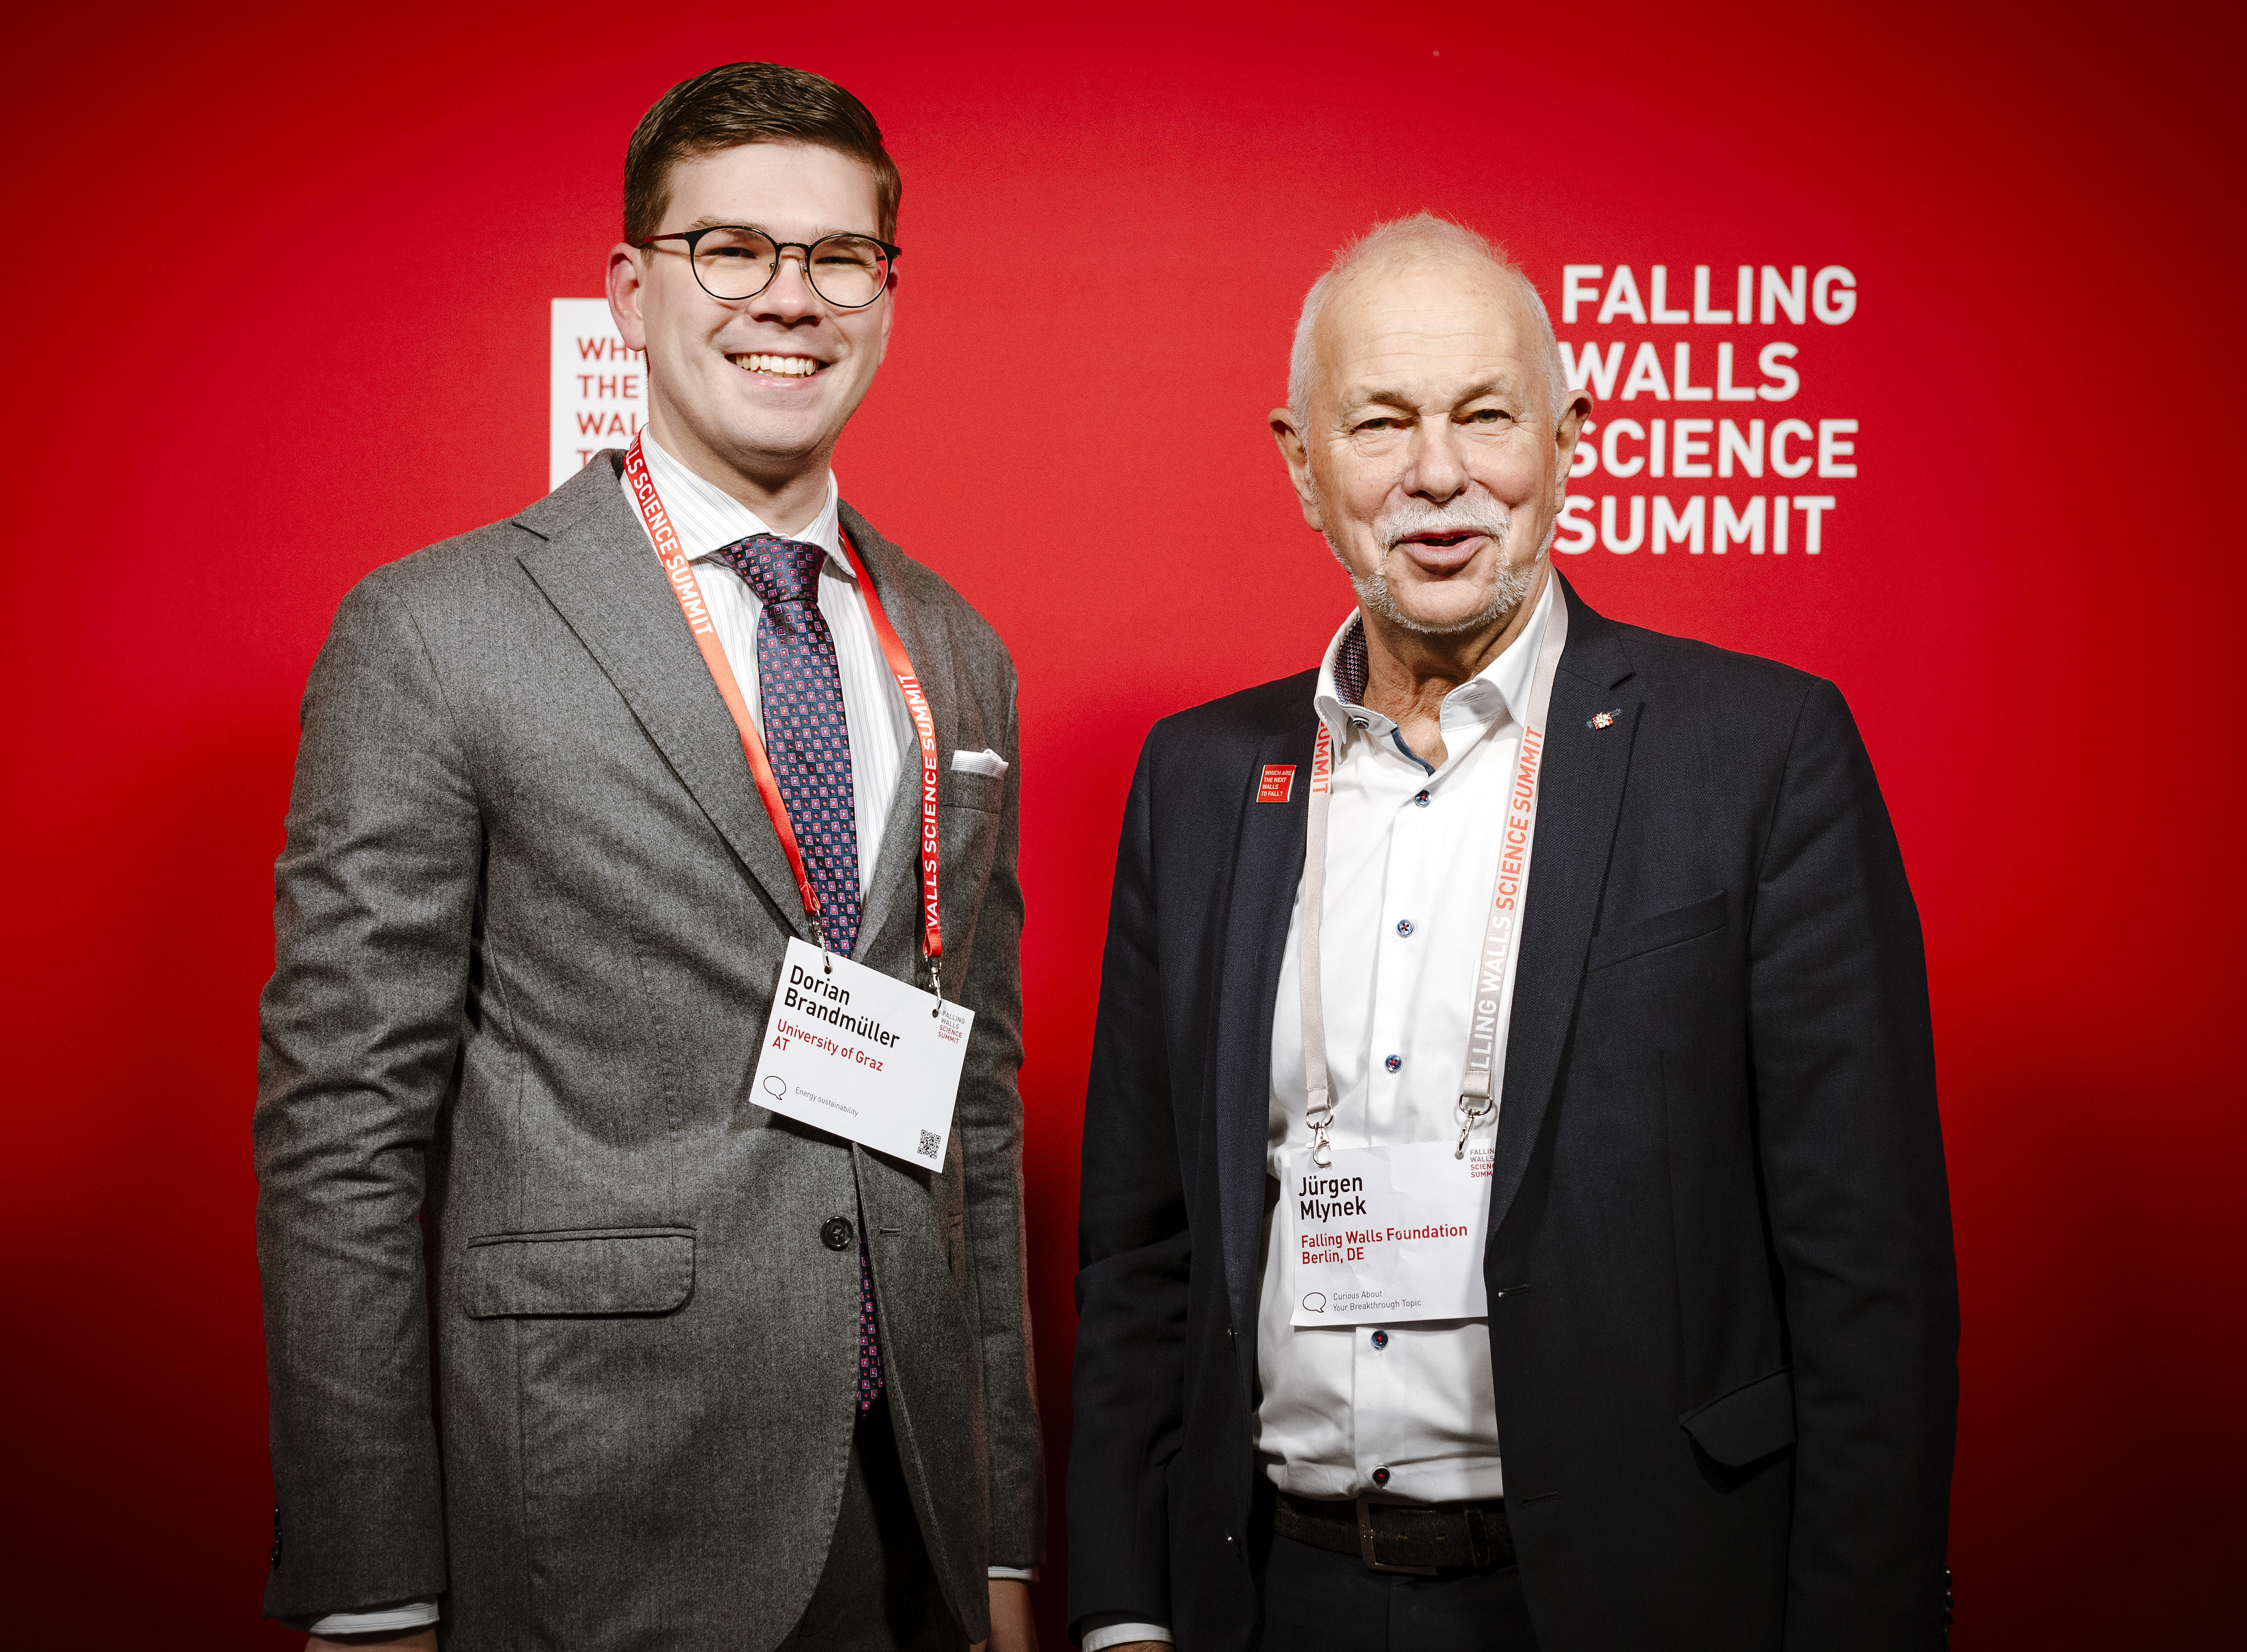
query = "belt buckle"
x=1365 y=1507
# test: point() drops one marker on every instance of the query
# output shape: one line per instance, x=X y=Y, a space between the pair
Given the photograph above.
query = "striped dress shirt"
x=706 y=518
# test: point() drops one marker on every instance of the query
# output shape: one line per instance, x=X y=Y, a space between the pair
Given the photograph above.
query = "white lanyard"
x=1487 y=1028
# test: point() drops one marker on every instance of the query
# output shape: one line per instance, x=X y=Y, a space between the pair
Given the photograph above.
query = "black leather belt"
x=1418 y=1538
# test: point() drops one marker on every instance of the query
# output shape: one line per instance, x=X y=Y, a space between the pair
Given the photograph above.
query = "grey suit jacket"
x=529 y=918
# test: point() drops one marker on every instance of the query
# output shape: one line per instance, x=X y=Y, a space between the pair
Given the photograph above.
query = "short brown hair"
x=742 y=103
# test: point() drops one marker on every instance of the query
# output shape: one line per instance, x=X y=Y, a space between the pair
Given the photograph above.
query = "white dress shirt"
x=1411 y=859
x=707 y=518
x=1406 y=846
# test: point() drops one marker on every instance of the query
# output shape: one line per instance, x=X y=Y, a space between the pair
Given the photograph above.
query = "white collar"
x=1503 y=684
x=707 y=517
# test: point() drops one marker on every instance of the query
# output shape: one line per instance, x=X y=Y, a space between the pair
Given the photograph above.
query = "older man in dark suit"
x=705 y=1374
x=1514 y=1213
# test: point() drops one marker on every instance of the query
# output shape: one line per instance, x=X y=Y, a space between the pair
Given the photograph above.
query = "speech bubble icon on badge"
x=1315 y=1301
x=775 y=1086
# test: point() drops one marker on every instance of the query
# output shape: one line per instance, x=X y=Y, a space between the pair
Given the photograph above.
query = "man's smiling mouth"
x=780 y=366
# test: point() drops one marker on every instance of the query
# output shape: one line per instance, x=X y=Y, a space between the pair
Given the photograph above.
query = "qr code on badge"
x=928 y=1144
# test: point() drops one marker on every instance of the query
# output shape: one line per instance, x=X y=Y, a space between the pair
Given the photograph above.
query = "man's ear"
x=889 y=312
x=627 y=283
x=1298 y=460
x=1566 y=430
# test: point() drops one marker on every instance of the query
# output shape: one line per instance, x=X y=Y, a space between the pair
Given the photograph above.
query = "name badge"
x=860 y=1054
x=1387 y=1234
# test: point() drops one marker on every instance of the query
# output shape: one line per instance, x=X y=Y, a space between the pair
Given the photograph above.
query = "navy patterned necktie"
x=805 y=735
x=809 y=744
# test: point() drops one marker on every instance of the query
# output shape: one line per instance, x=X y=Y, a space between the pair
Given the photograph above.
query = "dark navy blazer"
x=1724 y=1309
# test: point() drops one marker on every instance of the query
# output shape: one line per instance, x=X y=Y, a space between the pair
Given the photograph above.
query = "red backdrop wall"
x=277 y=300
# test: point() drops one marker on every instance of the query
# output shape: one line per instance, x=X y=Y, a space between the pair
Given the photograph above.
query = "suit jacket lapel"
x=891 y=907
x=1268 y=866
x=596 y=568
x=1579 y=798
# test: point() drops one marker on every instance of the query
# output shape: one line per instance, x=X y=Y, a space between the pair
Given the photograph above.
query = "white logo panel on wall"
x=1735 y=350
x=599 y=397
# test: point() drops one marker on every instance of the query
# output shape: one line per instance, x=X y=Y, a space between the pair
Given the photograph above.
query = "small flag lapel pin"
x=1605 y=719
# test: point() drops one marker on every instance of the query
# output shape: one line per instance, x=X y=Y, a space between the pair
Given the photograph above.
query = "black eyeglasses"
x=736 y=261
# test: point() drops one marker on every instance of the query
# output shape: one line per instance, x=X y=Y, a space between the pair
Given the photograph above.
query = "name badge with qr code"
x=859 y=1054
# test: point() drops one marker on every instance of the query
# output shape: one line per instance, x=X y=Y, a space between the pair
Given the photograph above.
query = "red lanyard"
x=678 y=567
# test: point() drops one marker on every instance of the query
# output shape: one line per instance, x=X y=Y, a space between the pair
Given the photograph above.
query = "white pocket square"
x=985 y=762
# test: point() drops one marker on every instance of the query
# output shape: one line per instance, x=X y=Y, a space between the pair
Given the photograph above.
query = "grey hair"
x=1405 y=235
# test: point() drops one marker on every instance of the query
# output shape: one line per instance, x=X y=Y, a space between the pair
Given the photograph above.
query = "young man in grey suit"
x=704 y=1376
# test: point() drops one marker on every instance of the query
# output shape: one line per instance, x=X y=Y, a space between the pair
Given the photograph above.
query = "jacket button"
x=837 y=1235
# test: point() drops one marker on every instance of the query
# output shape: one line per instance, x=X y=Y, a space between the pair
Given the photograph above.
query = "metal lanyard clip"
x=1476 y=1104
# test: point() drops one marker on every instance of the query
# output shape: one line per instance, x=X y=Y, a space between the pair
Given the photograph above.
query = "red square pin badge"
x=1278 y=784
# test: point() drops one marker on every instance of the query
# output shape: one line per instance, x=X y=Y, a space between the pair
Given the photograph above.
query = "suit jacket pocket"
x=1663 y=929
x=958 y=788
x=1747 y=1423
x=582 y=1271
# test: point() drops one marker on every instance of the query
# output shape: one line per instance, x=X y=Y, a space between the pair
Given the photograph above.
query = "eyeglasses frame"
x=693 y=237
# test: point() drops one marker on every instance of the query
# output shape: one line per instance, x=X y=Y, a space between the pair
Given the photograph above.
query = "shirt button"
x=1422 y=800
x=1381 y=1339
x=836 y=1234
x=1381 y=1476
x=1394 y=1063
x=1403 y=926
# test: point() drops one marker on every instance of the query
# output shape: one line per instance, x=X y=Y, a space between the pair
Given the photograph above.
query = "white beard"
x=1477 y=513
